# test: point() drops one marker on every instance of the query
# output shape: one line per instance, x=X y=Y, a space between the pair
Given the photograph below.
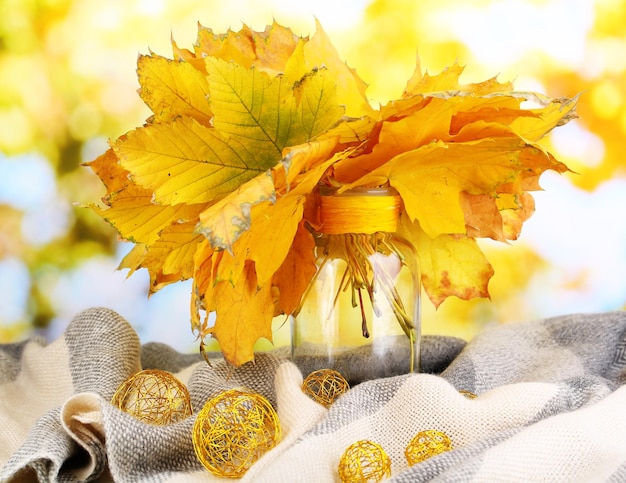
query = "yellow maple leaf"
x=232 y=46
x=295 y=272
x=270 y=113
x=186 y=162
x=318 y=52
x=172 y=89
x=449 y=264
x=202 y=283
x=112 y=175
x=299 y=159
x=275 y=229
x=133 y=259
x=482 y=216
x=224 y=222
x=513 y=218
x=221 y=183
x=175 y=250
x=137 y=219
x=431 y=178
x=243 y=314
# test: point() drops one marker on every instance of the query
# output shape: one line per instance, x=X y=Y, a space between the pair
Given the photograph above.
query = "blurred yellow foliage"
x=67 y=77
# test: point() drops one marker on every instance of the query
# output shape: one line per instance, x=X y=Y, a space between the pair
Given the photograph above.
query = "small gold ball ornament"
x=233 y=430
x=364 y=461
x=467 y=394
x=426 y=444
x=153 y=396
x=325 y=386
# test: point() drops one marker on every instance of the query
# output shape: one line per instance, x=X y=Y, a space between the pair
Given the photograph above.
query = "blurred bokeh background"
x=68 y=83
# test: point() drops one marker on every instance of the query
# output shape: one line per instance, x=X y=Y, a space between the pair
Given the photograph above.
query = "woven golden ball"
x=364 y=461
x=467 y=394
x=426 y=444
x=153 y=396
x=233 y=430
x=325 y=386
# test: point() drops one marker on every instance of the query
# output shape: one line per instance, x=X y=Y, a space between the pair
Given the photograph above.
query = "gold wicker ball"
x=233 y=430
x=467 y=394
x=325 y=386
x=364 y=461
x=153 y=396
x=426 y=444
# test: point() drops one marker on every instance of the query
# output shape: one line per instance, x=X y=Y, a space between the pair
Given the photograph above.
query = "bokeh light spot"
x=26 y=182
x=14 y=290
x=15 y=130
x=84 y=121
x=576 y=143
x=606 y=99
x=150 y=7
x=49 y=221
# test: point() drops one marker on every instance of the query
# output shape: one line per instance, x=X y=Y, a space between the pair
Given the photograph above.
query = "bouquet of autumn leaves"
x=219 y=184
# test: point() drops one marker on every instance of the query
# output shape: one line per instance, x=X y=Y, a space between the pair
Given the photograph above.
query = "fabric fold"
x=81 y=418
x=549 y=407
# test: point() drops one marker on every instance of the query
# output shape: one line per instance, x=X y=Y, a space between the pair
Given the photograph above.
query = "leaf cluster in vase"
x=219 y=184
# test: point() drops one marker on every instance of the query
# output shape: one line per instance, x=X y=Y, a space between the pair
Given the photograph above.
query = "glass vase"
x=361 y=312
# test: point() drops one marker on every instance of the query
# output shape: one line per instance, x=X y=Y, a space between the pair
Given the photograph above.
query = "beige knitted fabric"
x=550 y=407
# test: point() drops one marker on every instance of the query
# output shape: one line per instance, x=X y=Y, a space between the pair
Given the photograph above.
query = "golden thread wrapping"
x=426 y=444
x=154 y=396
x=359 y=212
x=357 y=227
x=325 y=386
x=363 y=461
x=233 y=430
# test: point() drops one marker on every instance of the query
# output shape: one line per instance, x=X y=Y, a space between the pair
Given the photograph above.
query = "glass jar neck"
x=359 y=210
